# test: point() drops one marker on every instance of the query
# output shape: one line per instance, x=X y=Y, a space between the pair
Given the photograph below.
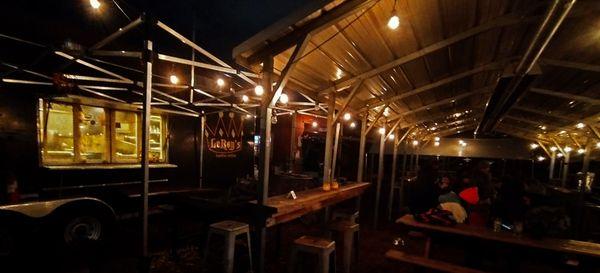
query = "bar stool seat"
x=229 y=230
x=320 y=247
x=348 y=233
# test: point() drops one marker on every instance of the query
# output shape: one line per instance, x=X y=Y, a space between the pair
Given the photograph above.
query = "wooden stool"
x=229 y=230
x=323 y=248
x=344 y=214
x=349 y=233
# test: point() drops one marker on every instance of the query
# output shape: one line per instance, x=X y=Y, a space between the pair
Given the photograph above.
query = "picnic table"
x=575 y=247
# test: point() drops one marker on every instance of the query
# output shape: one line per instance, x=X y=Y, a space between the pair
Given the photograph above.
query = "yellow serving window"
x=57 y=134
x=92 y=135
x=125 y=145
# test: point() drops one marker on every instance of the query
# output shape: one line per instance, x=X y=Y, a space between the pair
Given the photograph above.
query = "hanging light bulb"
x=568 y=149
x=580 y=125
x=352 y=125
x=347 y=116
x=259 y=90
x=559 y=155
x=245 y=98
x=553 y=148
x=382 y=130
x=580 y=151
x=598 y=145
x=220 y=82
x=533 y=146
x=391 y=137
x=415 y=142
x=541 y=158
x=173 y=79
x=95 y=4
x=394 y=21
x=436 y=144
x=436 y=139
x=315 y=124
x=284 y=98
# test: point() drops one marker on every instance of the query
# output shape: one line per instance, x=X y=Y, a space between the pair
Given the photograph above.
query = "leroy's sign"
x=224 y=136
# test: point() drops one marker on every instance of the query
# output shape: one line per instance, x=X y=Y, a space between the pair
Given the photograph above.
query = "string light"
x=533 y=146
x=315 y=124
x=352 y=125
x=598 y=145
x=553 y=149
x=568 y=149
x=220 y=82
x=245 y=98
x=559 y=155
x=437 y=143
x=580 y=151
x=174 y=79
x=259 y=90
x=382 y=130
x=347 y=116
x=436 y=139
x=284 y=98
x=394 y=21
x=391 y=137
x=95 y=4
x=415 y=142
x=580 y=125
x=541 y=158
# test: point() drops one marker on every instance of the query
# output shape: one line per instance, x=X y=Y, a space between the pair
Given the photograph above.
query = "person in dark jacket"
x=482 y=179
x=425 y=192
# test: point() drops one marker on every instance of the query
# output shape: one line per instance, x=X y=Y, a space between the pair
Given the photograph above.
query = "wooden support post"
x=327 y=172
x=379 y=178
x=393 y=179
x=148 y=57
x=361 y=149
x=403 y=178
x=264 y=155
x=552 y=163
x=202 y=128
x=565 y=169
x=293 y=142
x=335 y=149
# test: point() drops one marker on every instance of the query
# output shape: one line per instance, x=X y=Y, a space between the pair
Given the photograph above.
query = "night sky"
x=221 y=25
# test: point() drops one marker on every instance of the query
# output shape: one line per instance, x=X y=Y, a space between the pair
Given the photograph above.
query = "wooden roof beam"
x=314 y=26
x=572 y=65
x=488 y=67
x=564 y=95
x=287 y=70
x=379 y=114
x=544 y=113
x=347 y=101
x=498 y=22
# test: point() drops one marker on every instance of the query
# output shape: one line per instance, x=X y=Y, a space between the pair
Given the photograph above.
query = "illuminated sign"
x=224 y=135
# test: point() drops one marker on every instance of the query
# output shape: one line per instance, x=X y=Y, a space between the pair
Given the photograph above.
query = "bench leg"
x=324 y=264
x=249 y=251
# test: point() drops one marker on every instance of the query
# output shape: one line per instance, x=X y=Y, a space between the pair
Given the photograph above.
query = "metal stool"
x=323 y=248
x=229 y=230
x=348 y=233
x=345 y=214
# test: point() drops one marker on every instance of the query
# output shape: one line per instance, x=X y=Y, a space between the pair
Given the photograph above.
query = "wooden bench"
x=428 y=263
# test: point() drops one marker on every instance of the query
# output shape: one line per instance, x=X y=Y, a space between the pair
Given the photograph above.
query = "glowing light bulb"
x=533 y=146
x=382 y=130
x=541 y=158
x=436 y=144
x=352 y=125
x=394 y=22
x=173 y=79
x=553 y=149
x=598 y=145
x=391 y=137
x=220 y=82
x=245 y=98
x=315 y=124
x=568 y=149
x=415 y=142
x=284 y=98
x=559 y=155
x=95 y=4
x=248 y=116
x=580 y=125
x=347 y=116
x=580 y=151
x=436 y=139
x=259 y=90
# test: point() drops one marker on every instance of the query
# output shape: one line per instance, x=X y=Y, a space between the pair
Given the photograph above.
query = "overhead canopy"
x=447 y=64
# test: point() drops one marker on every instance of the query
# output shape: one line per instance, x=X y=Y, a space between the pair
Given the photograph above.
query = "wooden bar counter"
x=309 y=201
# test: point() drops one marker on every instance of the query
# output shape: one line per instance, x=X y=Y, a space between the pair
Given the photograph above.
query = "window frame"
x=110 y=136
